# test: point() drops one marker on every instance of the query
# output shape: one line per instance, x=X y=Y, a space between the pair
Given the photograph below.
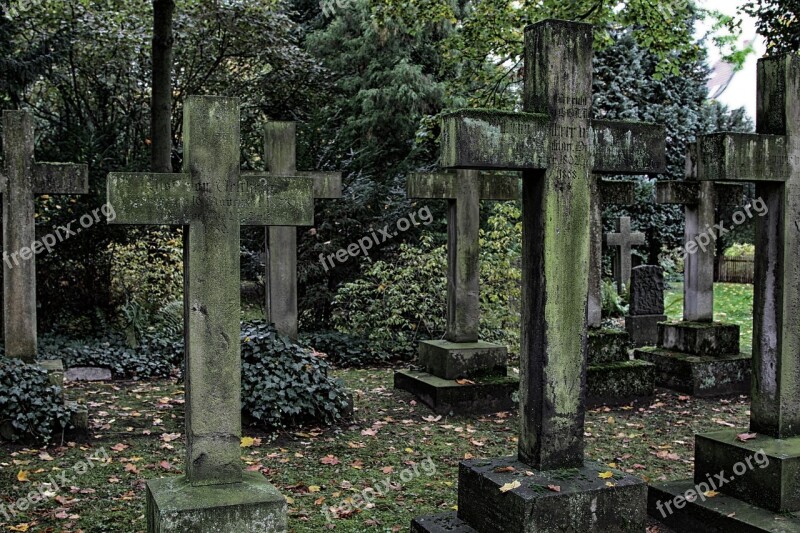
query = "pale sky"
x=742 y=90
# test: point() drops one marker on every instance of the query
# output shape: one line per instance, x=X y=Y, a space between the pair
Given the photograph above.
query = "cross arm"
x=628 y=147
x=60 y=178
x=442 y=186
x=326 y=184
x=616 y=192
x=688 y=193
x=740 y=157
x=143 y=198
x=269 y=200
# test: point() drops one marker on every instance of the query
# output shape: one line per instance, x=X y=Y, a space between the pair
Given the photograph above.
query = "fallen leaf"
x=330 y=460
x=314 y=488
x=465 y=382
x=744 y=437
x=23 y=476
x=19 y=527
x=510 y=486
x=119 y=447
x=606 y=475
x=710 y=493
x=554 y=488
x=247 y=442
x=501 y=469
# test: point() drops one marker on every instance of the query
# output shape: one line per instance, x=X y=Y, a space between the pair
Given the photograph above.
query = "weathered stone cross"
x=22 y=179
x=623 y=240
x=281 y=241
x=213 y=199
x=464 y=191
x=557 y=146
x=701 y=199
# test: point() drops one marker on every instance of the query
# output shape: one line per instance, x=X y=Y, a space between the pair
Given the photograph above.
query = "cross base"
x=720 y=514
x=454 y=360
x=699 y=338
x=702 y=376
x=483 y=396
x=173 y=505
x=584 y=501
x=612 y=378
x=643 y=329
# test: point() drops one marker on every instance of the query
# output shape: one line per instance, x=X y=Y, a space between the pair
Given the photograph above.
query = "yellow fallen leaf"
x=609 y=484
x=710 y=493
x=289 y=500
x=19 y=527
x=510 y=486
x=23 y=476
x=247 y=442
x=606 y=475
x=314 y=488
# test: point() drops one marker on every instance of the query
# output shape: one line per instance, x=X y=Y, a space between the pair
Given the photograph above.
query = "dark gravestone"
x=461 y=354
x=623 y=240
x=646 y=305
x=761 y=493
x=212 y=200
x=558 y=147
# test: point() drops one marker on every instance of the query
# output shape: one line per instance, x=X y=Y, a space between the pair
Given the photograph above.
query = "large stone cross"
x=623 y=240
x=701 y=199
x=771 y=159
x=212 y=200
x=557 y=146
x=22 y=179
x=464 y=191
x=281 y=241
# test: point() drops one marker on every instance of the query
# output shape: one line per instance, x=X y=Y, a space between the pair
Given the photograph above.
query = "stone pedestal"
x=612 y=378
x=80 y=413
x=643 y=329
x=55 y=371
x=174 y=505
x=583 y=502
x=699 y=358
x=461 y=378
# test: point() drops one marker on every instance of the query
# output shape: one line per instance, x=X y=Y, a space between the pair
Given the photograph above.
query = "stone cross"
x=604 y=193
x=281 y=241
x=464 y=191
x=701 y=199
x=22 y=179
x=212 y=199
x=771 y=159
x=557 y=146
x=623 y=240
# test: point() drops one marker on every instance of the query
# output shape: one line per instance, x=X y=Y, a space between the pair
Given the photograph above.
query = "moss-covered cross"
x=212 y=201
x=281 y=241
x=623 y=240
x=21 y=180
x=464 y=191
x=558 y=147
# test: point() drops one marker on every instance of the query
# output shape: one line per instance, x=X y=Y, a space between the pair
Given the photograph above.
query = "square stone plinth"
x=699 y=338
x=453 y=360
x=699 y=376
x=443 y=396
x=763 y=471
x=643 y=329
x=620 y=383
x=440 y=523
x=583 y=500
x=720 y=514
x=607 y=346
x=55 y=371
x=173 y=505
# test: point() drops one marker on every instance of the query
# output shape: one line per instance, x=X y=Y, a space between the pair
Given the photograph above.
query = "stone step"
x=443 y=396
x=713 y=339
x=440 y=523
x=608 y=346
x=702 y=376
x=620 y=383
x=453 y=360
x=720 y=514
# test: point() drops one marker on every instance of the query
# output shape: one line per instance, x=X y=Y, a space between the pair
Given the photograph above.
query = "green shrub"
x=31 y=408
x=741 y=250
x=613 y=304
x=344 y=350
x=283 y=384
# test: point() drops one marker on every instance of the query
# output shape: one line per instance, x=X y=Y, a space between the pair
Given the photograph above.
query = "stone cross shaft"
x=701 y=199
x=211 y=200
x=21 y=180
x=771 y=159
x=557 y=146
x=280 y=147
x=464 y=191
x=623 y=240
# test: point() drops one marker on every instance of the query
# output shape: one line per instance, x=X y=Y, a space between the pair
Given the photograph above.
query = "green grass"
x=391 y=433
x=733 y=303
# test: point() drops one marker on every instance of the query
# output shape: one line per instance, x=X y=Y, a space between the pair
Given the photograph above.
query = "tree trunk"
x=161 y=102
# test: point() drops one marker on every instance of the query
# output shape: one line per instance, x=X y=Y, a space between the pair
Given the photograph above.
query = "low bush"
x=345 y=350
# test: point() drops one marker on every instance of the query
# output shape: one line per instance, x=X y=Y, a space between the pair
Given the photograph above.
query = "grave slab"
x=702 y=376
x=620 y=383
x=453 y=360
x=440 y=523
x=444 y=396
x=87 y=373
x=699 y=338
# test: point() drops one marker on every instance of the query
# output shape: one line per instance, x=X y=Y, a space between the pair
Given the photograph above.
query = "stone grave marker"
x=760 y=463
x=280 y=147
x=623 y=240
x=557 y=146
x=22 y=179
x=646 y=305
x=461 y=354
x=212 y=199
x=697 y=355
